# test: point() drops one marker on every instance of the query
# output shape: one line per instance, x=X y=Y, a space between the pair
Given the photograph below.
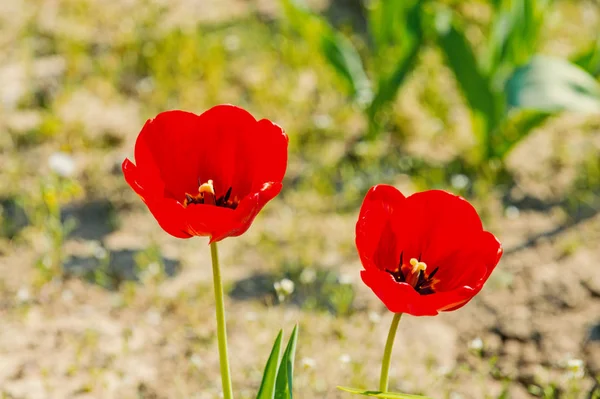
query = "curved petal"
x=374 y=232
x=169 y=148
x=402 y=298
x=268 y=144
x=470 y=266
x=244 y=214
x=225 y=130
x=207 y=220
x=434 y=224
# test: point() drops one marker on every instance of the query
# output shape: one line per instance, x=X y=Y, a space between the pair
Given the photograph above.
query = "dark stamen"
x=433 y=273
x=226 y=198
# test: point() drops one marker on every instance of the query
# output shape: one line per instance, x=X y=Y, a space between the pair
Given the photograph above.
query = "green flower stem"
x=387 y=354
x=221 y=329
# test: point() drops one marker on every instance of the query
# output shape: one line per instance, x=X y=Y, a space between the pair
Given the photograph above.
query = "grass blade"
x=267 y=386
x=284 y=386
x=410 y=34
x=344 y=58
x=486 y=106
x=589 y=60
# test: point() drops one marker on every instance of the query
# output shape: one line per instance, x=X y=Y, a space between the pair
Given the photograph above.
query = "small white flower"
x=374 y=317
x=196 y=361
x=98 y=250
x=345 y=359
x=23 y=295
x=62 y=164
x=575 y=369
x=308 y=363
x=476 y=345
x=308 y=276
x=512 y=212
x=346 y=279
x=153 y=269
x=459 y=181
x=284 y=288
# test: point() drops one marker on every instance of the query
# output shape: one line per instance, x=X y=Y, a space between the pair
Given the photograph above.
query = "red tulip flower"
x=424 y=253
x=208 y=174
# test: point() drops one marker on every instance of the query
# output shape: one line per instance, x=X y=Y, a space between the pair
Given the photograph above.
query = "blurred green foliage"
x=499 y=80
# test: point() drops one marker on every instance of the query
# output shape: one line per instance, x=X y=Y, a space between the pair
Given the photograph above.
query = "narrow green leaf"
x=485 y=104
x=514 y=36
x=267 y=386
x=385 y=395
x=589 y=60
x=403 y=62
x=388 y=86
x=337 y=49
x=309 y=25
x=392 y=22
x=284 y=386
x=551 y=84
x=343 y=56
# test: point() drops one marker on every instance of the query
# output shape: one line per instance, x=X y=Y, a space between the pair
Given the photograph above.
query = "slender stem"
x=221 y=329
x=387 y=354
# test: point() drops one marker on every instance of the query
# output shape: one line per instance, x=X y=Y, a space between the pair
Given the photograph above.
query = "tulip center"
x=415 y=274
x=206 y=195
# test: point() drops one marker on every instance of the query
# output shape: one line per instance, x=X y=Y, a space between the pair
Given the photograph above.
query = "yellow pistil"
x=207 y=188
x=417 y=268
x=207 y=191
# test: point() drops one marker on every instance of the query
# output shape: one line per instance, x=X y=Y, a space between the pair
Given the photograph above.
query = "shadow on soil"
x=315 y=289
x=111 y=269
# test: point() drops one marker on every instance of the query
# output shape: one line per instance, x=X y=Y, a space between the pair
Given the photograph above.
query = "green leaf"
x=334 y=47
x=393 y=22
x=388 y=86
x=343 y=56
x=486 y=105
x=309 y=25
x=589 y=60
x=405 y=17
x=284 y=386
x=385 y=395
x=267 y=386
x=551 y=84
x=514 y=36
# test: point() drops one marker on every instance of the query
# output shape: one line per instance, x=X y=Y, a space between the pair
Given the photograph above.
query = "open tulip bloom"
x=422 y=254
x=210 y=175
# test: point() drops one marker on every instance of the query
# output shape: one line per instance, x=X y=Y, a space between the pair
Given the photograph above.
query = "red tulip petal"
x=472 y=265
x=269 y=145
x=170 y=148
x=244 y=214
x=227 y=159
x=402 y=298
x=434 y=224
x=207 y=220
x=373 y=226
